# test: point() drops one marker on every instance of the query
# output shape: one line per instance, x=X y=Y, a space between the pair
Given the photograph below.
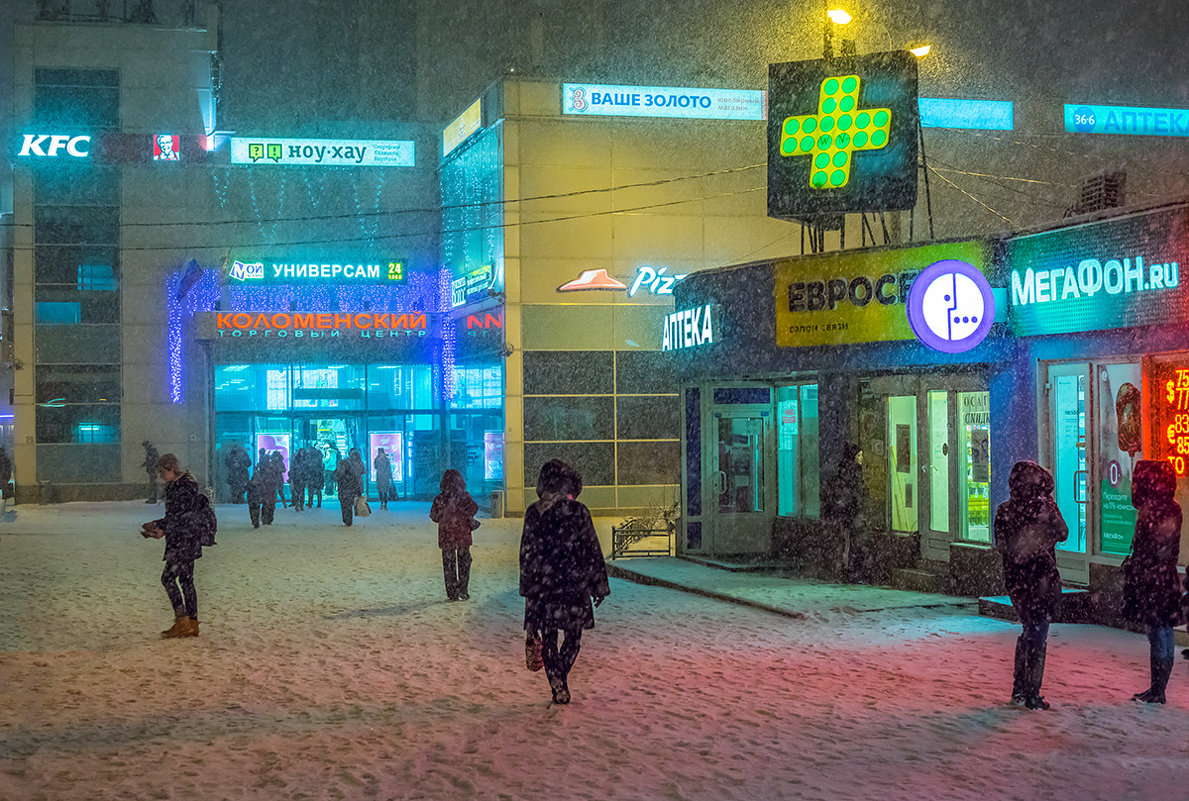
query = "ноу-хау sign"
x=322 y=152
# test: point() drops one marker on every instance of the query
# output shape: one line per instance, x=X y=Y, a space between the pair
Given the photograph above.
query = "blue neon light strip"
x=1128 y=120
x=981 y=115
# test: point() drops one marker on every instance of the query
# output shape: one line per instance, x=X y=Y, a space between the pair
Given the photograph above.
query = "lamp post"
x=836 y=16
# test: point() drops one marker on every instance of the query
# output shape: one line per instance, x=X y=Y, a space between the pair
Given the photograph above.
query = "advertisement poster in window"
x=1120 y=444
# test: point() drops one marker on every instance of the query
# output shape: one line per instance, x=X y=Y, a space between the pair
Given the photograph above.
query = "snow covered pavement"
x=330 y=666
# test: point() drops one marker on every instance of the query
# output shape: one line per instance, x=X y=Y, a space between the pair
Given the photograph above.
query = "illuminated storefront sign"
x=472 y=286
x=653 y=280
x=689 y=328
x=462 y=127
x=318 y=324
x=1171 y=439
x=982 y=115
x=323 y=152
x=1113 y=274
x=485 y=321
x=592 y=99
x=53 y=145
x=1129 y=120
x=950 y=306
x=362 y=272
x=839 y=299
x=167 y=147
x=842 y=141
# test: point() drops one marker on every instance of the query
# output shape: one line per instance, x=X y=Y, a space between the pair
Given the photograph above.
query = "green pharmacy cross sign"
x=857 y=152
x=838 y=129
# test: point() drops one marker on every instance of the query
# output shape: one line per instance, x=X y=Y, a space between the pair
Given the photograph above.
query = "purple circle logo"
x=950 y=306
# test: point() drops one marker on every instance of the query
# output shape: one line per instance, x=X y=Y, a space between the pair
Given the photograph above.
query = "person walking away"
x=843 y=510
x=255 y=493
x=297 y=488
x=150 y=466
x=1028 y=527
x=356 y=460
x=5 y=478
x=238 y=465
x=1151 y=586
x=561 y=570
x=350 y=484
x=315 y=476
x=268 y=476
x=383 y=477
x=333 y=458
x=279 y=467
x=183 y=544
x=453 y=510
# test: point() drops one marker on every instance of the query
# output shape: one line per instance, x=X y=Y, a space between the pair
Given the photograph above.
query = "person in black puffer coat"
x=561 y=570
x=1028 y=527
x=182 y=532
x=1151 y=586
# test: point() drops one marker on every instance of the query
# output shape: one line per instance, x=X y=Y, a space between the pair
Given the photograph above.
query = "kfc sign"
x=51 y=145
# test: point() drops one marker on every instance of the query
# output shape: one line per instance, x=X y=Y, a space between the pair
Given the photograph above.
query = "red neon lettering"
x=342 y=321
x=383 y=321
x=474 y=322
x=242 y=320
x=493 y=321
x=418 y=321
x=400 y=322
x=366 y=318
x=261 y=321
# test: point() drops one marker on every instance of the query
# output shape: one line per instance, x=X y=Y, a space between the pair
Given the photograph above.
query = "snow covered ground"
x=330 y=666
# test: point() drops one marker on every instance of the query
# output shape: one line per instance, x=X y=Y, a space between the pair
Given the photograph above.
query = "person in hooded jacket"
x=262 y=492
x=383 y=467
x=843 y=508
x=1028 y=527
x=348 y=476
x=183 y=545
x=561 y=570
x=1151 y=586
x=453 y=511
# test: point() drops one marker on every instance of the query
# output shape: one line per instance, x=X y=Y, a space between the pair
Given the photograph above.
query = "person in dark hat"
x=561 y=571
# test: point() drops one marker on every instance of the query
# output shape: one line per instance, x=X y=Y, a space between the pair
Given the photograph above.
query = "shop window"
x=569 y=418
x=83 y=424
x=902 y=462
x=648 y=417
x=649 y=462
x=97 y=277
x=386 y=387
x=1119 y=445
x=66 y=305
x=77 y=344
x=76 y=225
x=57 y=313
x=77 y=383
x=645 y=371
x=594 y=460
x=478 y=388
x=798 y=468
x=333 y=386
x=568 y=372
x=424 y=396
x=974 y=484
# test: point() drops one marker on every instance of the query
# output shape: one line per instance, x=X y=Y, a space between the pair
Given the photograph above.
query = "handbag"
x=534 y=658
x=361 y=507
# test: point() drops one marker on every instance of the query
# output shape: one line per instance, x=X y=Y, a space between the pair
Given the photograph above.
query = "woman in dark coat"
x=348 y=476
x=183 y=545
x=843 y=508
x=1151 y=587
x=453 y=511
x=1028 y=527
x=561 y=570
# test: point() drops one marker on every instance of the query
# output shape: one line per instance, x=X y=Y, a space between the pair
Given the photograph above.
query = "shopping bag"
x=534 y=660
x=361 y=507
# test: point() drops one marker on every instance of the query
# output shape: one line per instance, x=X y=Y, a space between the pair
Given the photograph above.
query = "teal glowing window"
x=798 y=470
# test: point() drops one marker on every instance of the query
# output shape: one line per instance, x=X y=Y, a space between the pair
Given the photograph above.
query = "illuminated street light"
x=922 y=51
x=838 y=16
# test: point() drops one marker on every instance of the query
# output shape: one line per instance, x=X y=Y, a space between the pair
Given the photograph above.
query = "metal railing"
x=629 y=541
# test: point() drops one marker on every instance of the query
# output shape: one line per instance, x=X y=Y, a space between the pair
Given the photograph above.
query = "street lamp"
x=920 y=52
x=836 y=16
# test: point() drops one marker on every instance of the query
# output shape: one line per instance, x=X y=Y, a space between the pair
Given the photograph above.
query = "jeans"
x=558 y=661
x=185 y=599
x=1161 y=655
x=1030 y=659
x=456 y=568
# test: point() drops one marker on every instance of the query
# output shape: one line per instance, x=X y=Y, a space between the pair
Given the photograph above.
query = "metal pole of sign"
x=925 y=167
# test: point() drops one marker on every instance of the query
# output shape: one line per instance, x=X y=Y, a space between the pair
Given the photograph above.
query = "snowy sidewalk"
x=773 y=592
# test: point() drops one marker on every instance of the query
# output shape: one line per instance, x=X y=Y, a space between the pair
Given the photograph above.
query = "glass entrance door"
x=740 y=450
x=1068 y=388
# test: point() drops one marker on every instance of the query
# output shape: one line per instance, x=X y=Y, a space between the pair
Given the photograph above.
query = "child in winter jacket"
x=454 y=512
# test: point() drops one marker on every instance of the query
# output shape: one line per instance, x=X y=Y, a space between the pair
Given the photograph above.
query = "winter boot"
x=1161 y=669
x=180 y=626
x=1034 y=677
x=191 y=627
x=1019 y=692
